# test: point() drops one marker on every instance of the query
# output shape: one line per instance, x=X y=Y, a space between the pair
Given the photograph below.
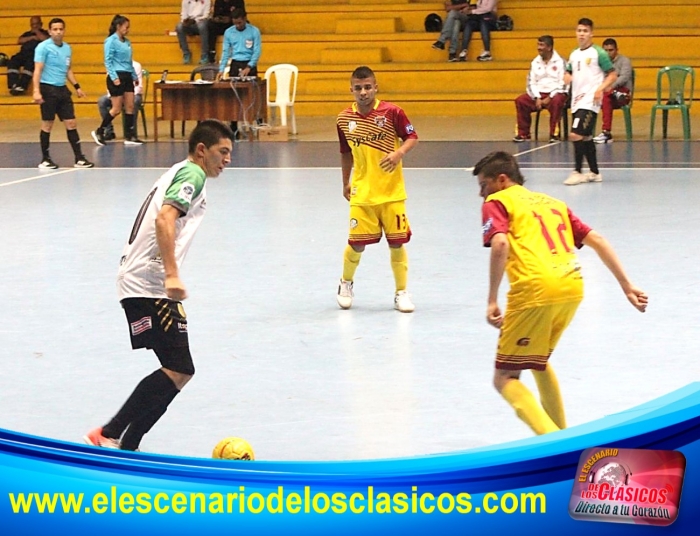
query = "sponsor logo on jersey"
x=487 y=226
x=409 y=129
x=141 y=325
x=373 y=137
x=523 y=342
x=182 y=327
x=353 y=223
x=186 y=192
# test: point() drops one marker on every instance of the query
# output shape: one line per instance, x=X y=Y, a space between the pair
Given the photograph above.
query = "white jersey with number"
x=588 y=68
x=141 y=273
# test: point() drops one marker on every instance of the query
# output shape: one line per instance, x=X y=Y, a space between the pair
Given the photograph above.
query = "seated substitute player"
x=618 y=95
x=532 y=237
x=370 y=133
x=149 y=285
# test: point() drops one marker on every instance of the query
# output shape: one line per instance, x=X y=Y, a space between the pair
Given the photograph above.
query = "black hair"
x=209 y=132
x=118 y=20
x=586 y=22
x=610 y=41
x=362 y=72
x=497 y=163
x=56 y=21
x=238 y=13
x=547 y=40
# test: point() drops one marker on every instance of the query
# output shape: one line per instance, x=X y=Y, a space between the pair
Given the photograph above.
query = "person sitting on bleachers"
x=220 y=21
x=18 y=81
x=619 y=94
x=483 y=18
x=194 y=20
x=457 y=13
x=545 y=89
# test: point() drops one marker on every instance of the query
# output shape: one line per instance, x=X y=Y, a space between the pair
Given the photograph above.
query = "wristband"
x=76 y=86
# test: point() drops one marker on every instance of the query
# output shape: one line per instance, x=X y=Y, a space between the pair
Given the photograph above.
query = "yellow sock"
x=550 y=395
x=527 y=408
x=351 y=259
x=399 y=265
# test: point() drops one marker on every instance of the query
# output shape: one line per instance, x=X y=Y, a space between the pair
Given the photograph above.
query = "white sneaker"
x=594 y=177
x=345 y=294
x=575 y=178
x=403 y=303
x=603 y=137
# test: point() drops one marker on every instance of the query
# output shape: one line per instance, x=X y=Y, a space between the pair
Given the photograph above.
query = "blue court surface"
x=277 y=362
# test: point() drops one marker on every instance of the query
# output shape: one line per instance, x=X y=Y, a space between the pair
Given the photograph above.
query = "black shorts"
x=156 y=323
x=237 y=65
x=57 y=101
x=126 y=84
x=583 y=122
x=160 y=325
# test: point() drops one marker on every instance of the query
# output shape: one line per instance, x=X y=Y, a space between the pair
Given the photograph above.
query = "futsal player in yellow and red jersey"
x=374 y=137
x=532 y=237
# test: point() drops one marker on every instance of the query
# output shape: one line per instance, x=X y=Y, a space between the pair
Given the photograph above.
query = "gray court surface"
x=278 y=363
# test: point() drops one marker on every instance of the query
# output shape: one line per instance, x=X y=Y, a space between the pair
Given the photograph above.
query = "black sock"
x=106 y=121
x=578 y=154
x=44 y=138
x=145 y=398
x=140 y=427
x=74 y=140
x=129 y=126
x=591 y=156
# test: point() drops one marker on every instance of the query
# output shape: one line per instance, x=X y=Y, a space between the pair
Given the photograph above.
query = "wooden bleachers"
x=327 y=40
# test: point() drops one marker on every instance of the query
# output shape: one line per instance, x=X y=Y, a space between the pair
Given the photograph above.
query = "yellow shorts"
x=528 y=336
x=367 y=223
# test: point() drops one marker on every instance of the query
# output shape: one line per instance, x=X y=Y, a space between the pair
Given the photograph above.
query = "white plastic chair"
x=286 y=76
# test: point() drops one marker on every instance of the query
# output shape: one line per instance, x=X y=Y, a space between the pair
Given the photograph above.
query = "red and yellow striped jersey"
x=370 y=138
x=542 y=233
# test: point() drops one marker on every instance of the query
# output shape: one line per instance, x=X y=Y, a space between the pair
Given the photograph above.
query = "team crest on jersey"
x=353 y=223
x=352 y=125
x=380 y=121
x=588 y=61
x=186 y=192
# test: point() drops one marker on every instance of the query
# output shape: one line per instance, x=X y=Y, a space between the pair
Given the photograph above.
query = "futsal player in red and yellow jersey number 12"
x=374 y=137
x=532 y=237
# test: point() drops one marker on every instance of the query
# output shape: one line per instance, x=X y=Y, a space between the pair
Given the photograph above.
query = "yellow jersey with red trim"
x=542 y=233
x=370 y=138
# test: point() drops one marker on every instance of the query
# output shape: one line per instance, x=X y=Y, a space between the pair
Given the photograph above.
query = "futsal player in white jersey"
x=149 y=285
x=590 y=72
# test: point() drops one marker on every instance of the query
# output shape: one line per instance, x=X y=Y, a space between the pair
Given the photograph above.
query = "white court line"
x=35 y=177
x=537 y=149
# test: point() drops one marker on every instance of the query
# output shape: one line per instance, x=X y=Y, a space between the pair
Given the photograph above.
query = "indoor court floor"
x=277 y=362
